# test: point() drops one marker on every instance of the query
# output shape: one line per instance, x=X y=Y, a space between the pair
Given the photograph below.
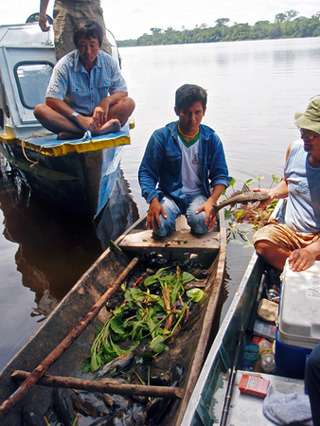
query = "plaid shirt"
x=71 y=83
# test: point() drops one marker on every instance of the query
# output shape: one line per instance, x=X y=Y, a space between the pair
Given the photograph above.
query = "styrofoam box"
x=299 y=315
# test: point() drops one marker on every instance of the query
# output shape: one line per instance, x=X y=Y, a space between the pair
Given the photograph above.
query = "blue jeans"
x=312 y=382
x=195 y=221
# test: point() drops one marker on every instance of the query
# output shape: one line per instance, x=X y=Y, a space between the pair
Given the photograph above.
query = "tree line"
x=286 y=25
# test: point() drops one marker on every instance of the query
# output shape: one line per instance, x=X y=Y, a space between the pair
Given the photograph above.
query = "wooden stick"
x=99 y=386
x=40 y=370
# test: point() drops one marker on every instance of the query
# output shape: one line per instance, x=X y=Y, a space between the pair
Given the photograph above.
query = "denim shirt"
x=160 y=170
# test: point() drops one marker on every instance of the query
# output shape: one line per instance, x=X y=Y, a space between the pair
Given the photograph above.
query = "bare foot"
x=111 y=126
x=68 y=135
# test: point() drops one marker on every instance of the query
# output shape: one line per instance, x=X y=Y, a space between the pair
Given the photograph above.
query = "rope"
x=87 y=137
x=23 y=145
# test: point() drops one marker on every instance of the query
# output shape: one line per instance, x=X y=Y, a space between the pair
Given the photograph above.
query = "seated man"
x=181 y=162
x=86 y=90
x=298 y=237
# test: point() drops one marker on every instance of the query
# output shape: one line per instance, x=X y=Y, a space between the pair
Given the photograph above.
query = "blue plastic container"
x=298 y=330
x=290 y=360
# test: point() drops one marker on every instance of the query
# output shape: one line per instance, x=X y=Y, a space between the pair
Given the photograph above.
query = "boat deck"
x=247 y=409
x=47 y=143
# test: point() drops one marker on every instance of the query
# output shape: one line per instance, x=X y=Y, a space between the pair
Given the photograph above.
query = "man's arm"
x=43 y=23
x=82 y=122
x=279 y=191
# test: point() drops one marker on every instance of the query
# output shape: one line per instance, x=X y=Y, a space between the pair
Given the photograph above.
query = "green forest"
x=286 y=25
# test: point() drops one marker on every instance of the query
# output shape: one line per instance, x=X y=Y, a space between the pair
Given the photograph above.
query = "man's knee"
x=40 y=111
x=197 y=223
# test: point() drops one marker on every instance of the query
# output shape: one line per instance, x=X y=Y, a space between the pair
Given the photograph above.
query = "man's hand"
x=210 y=212
x=43 y=22
x=100 y=115
x=301 y=259
x=265 y=202
x=154 y=212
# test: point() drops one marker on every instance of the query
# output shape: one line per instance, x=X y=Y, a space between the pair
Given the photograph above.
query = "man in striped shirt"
x=86 y=90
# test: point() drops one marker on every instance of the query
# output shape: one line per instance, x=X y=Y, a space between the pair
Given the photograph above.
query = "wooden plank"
x=178 y=240
x=181 y=239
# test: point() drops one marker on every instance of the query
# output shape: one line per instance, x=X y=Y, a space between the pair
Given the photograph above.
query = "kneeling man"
x=183 y=170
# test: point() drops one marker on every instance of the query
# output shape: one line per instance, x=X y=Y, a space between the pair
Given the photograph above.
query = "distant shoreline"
x=286 y=25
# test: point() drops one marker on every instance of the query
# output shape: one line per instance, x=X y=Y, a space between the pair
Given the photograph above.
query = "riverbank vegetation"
x=286 y=25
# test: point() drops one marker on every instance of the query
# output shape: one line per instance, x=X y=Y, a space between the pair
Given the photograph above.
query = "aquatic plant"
x=153 y=313
x=252 y=214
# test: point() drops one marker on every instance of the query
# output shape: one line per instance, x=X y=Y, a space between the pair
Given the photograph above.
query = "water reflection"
x=56 y=247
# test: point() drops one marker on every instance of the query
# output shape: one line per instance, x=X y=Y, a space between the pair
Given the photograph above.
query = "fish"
x=115 y=365
x=63 y=405
x=243 y=196
x=90 y=404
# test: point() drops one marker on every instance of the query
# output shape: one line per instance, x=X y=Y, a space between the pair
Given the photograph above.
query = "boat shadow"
x=55 y=247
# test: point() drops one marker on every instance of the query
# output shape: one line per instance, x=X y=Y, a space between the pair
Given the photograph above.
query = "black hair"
x=87 y=29
x=188 y=94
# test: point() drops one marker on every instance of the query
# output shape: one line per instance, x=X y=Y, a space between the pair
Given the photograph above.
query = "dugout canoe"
x=76 y=175
x=44 y=355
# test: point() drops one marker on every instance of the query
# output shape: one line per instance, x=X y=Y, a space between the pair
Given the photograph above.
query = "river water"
x=254 y=89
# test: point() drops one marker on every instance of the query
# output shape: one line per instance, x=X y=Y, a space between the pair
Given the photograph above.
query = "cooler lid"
x=299 y=314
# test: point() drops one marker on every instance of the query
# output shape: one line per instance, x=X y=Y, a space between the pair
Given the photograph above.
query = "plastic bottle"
x=273 y=293
x=250 y=355
x=268 y=364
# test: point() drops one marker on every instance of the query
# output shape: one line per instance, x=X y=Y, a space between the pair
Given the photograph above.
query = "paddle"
x=40 y=370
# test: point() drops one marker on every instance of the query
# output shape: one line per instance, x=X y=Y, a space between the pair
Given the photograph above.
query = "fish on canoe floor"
x=242 y=197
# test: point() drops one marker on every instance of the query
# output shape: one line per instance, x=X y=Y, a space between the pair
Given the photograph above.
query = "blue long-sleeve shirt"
x=160 y=170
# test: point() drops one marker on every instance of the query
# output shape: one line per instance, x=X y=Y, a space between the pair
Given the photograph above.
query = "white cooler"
x=299 y=320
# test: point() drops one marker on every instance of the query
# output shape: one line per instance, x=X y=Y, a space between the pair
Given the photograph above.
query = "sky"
x=132 y=18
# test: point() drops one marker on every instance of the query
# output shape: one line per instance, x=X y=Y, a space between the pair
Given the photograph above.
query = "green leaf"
x=249 y=182
x=134 y=295
x=117 y=325
x=228 y=214
x=232 y=182
x=239 y=213
x=195 y=294
x=157 y=345
x=186 y=277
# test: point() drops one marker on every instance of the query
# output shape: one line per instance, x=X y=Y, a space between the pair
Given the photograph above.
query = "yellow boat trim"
x=58 y=148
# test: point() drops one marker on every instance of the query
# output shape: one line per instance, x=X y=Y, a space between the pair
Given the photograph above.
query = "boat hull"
x=187 y=350
x=80 y=182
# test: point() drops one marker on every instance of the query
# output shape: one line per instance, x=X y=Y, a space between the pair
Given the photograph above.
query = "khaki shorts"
x=66 y=14
x=283 y=236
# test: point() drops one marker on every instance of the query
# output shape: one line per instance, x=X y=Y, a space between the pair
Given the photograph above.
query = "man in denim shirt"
x=183 y=170
x=86 y=90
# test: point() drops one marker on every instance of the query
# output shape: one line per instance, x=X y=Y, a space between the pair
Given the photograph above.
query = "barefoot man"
x=86 y=90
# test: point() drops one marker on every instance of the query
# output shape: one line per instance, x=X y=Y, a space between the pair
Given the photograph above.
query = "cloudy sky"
x=132 y=18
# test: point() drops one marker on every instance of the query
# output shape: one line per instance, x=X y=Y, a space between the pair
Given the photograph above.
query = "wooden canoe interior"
x=187 y=349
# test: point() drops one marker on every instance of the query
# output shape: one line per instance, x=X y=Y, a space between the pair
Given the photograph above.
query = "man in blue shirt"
x=183 y=170
x=86 y=90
